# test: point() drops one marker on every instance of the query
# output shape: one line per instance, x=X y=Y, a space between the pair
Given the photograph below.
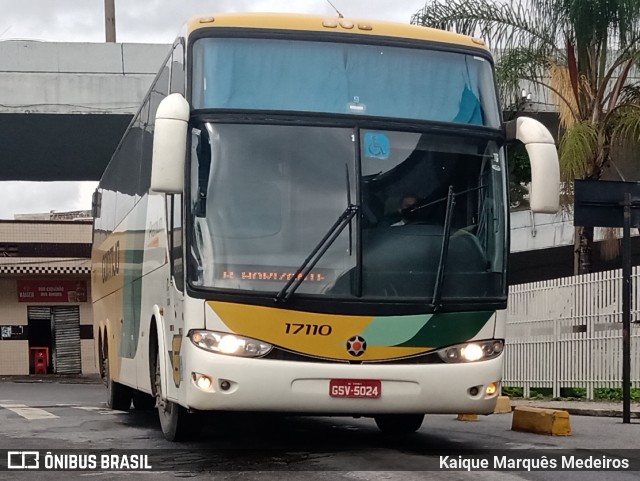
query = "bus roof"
x=316 y=23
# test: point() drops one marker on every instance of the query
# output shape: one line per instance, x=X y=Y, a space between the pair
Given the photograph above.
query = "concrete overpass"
x=65 y=106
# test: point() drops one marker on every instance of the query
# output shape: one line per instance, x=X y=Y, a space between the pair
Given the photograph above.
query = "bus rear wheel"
x=398 y=424
x=118 y=395
x=176 y=423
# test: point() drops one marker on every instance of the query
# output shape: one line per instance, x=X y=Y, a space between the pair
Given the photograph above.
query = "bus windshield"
x=344 y=78
x=259 y=208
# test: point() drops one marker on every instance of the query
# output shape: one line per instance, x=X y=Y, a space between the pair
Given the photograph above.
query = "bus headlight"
x=472 y=351
x=230 y=344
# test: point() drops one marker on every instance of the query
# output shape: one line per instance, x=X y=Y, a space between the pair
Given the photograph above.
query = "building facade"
x=46 y=324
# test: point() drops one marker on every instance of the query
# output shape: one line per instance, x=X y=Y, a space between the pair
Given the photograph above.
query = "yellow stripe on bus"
x=314 y=23
x=321 y=335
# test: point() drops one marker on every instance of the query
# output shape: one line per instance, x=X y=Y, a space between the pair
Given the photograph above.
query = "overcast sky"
x=152 y=21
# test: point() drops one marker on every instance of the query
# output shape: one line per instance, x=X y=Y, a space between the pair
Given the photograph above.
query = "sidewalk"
x=581 y=407
x=54 y=378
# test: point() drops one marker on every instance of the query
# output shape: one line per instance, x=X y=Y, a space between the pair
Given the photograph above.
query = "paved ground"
x=57 y=378
x=572 y=406
x=68 y=413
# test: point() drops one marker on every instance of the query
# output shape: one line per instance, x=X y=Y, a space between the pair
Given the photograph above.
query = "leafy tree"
x=519 y=175
x=583 y=52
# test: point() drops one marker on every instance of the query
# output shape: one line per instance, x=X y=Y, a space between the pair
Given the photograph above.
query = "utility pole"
x=110 y=20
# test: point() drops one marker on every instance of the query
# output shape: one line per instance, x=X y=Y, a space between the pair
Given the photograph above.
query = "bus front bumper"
x=244 y=384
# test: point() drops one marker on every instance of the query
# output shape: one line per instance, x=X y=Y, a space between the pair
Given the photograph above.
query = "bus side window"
x=174 y=228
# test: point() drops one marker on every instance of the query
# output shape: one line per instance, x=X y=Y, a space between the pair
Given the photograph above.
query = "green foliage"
x=599 y=394
x=541 y=392
x=577 y=144
x=534 y=393
x=507 y=25
x=512 y=391
x=583 y=51
x=594 y=19
x=595 y=41
x=627 y=122
x=631 y=94
x=573 y=393
x=614 y=394
x=519 y=174
x=516 y=64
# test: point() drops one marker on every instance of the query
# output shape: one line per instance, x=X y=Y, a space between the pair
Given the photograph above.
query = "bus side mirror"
x=544 y=193
x=170 y=145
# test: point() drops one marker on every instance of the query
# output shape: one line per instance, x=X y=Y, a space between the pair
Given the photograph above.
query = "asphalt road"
x=55 y=416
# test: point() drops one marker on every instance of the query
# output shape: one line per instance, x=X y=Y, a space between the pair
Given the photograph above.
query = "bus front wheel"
x=175 y=421
x=398 y=424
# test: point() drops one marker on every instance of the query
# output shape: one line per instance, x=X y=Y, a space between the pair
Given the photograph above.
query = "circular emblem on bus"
x=356 y=346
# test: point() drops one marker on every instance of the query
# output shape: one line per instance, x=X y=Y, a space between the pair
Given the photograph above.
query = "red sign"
x=52 y=291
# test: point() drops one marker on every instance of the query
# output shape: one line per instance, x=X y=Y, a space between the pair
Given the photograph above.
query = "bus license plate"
x=355 y=388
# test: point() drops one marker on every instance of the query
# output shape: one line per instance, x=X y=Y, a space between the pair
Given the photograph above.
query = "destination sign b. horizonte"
x=318 y=459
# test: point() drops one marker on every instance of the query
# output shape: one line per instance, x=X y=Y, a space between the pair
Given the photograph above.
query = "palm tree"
x=583 y=52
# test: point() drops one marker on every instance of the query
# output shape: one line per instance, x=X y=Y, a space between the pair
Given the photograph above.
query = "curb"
x=52 y=378
x=605 y=413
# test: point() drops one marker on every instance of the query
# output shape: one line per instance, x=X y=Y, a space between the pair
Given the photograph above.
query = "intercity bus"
x=309 y=215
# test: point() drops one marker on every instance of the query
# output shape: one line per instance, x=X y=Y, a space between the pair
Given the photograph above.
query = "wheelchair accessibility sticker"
x=376 y=145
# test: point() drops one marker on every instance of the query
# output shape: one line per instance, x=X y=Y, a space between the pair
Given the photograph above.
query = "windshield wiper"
x=316 y=254
x=444 y=250
x=437 y=201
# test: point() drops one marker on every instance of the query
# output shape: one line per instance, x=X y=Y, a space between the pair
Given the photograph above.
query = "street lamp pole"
x=626 y=310
x=110 y=20
x=614 y=204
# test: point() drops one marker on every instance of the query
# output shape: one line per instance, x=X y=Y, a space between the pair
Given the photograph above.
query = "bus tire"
x=176 y=422
x=118 y=395
x=399 y=424
x=143 y=401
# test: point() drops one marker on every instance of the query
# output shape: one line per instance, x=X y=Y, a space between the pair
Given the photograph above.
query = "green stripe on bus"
x=447 y=329
x=394 y=330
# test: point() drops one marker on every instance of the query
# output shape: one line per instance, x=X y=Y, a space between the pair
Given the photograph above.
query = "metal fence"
x=567 y=333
